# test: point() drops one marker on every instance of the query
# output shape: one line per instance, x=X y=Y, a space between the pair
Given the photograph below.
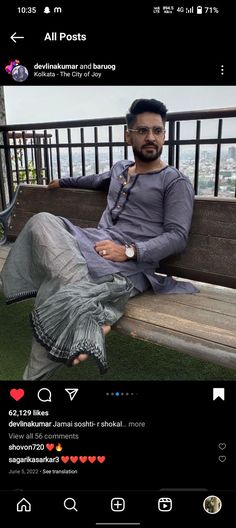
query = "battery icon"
x=199 y=10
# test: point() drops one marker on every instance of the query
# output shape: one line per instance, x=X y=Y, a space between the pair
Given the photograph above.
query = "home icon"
x=23 y=506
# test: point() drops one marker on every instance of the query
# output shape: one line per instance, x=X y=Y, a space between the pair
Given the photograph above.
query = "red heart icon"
x=74 y=459
x=49 y=447
x=64 y=459
x=101 y=459
x=17 y=394
x=91 y=459
x=83 y=459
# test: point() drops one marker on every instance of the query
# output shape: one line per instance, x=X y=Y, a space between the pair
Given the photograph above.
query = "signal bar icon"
x=189 y=10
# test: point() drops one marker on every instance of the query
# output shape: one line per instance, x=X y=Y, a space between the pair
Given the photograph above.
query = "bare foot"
x=106 y=329
x=82 y=357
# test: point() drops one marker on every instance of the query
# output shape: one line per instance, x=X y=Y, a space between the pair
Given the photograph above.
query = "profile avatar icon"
x=20 y=73
x=212 y=504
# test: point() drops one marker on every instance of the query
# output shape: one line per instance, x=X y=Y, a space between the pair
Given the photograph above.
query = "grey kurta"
x=154 y=211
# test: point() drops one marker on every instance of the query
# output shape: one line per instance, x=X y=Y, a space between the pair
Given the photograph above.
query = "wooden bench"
x=203 y=325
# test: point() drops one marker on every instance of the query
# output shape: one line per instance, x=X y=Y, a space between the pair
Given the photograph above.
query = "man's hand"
x=54 y=184
x=109 y=250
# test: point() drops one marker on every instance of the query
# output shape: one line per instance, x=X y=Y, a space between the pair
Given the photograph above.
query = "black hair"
x=139 y=106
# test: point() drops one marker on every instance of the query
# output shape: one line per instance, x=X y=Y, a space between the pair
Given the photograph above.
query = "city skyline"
x=27 y=104
x=206 y=168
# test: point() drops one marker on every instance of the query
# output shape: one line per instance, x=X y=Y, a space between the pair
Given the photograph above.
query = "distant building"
x=232 y=152
x=205 y=155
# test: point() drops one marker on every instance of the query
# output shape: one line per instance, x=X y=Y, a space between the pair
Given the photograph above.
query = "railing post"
x=110 y=146
x=218 y=153
x=3 y=203
x=8 y=165
x=38 y=158
x=171 y=150
x=197 y=157
x=177 y=154
x=96 y=150
x=46 y=158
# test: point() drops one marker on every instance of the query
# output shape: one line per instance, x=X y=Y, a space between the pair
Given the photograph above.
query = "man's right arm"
x=94 y=181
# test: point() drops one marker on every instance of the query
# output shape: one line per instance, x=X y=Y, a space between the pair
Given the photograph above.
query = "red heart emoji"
x=49 y=447
x=101 y=459
x=91 y=459
x=74 y=459
x=83 y=459
x=64 y=459
x=17 y=394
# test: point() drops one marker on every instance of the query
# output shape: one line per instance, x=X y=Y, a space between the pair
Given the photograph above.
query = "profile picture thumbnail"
x=212 y=504
x=20 y=73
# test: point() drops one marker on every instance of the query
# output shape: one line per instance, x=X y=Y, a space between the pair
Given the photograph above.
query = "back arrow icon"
x=13 y=37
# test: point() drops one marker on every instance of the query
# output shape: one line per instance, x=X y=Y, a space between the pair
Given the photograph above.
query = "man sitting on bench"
x=83 y=277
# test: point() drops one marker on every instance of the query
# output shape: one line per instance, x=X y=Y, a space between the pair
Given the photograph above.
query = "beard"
x=143 y=155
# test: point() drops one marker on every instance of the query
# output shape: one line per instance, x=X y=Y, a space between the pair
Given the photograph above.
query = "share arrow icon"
x=72 y=393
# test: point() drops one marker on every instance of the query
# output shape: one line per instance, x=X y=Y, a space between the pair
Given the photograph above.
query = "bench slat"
x=194 y=346
x=211 y=252
x=216 y=327
x=18 y=222
x=82 y=208
x=210 y=218
x=220 y=305
x=210 y=259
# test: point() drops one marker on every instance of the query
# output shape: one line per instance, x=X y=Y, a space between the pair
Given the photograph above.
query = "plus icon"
x=117 y=504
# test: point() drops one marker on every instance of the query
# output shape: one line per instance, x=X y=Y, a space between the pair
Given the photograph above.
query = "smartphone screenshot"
x=117 y=263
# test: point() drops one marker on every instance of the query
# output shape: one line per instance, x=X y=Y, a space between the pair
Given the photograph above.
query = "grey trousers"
x=45 y=257
x=39 y=367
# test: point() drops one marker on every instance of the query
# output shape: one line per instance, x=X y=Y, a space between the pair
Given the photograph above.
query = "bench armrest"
x=5 y=217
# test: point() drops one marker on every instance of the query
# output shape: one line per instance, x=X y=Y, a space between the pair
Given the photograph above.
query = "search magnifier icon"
x=70 y=504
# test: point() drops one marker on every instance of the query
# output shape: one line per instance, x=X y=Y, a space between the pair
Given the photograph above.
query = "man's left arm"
x=178 y=211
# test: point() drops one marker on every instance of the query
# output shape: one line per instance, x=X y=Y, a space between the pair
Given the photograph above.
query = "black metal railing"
x=40 y=152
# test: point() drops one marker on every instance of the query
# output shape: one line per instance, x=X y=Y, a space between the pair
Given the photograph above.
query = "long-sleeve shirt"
x=153 y=210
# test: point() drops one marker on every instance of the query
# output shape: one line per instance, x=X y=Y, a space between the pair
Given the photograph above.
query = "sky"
x=28 y=104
